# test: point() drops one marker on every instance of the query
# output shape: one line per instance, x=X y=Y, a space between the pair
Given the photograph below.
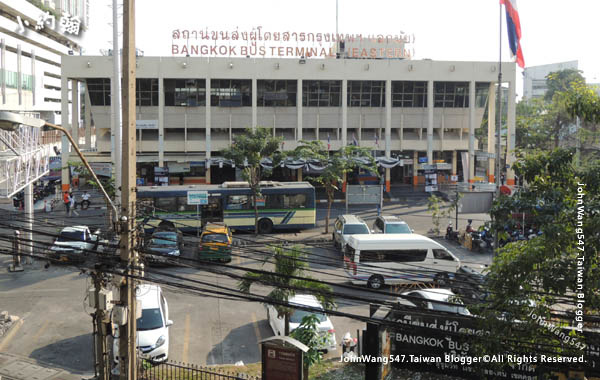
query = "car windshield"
x=450 y=308
x=355 y=229
x=398 y=228
x=297 y=316
x=214 y=238
x=69 y=236
x=164 y=239
x=150 y=320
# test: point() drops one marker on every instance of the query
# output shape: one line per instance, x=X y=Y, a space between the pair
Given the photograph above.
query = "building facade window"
x=451 y=94
x=366 y=93
x=99 y=90
x=231 y=93
x=276 y=93
x=481 y=94
x=11 y=78
x=321 y=93
x=146 y=92
x=185 y=92
x=409 y=94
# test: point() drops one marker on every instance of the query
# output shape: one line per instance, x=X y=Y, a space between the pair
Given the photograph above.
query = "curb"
x=12 y=330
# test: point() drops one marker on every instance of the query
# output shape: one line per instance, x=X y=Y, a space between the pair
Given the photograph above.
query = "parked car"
x=325 y=326
x=436 y=299
x=164 y=245
x=215 y=243
x=73 y=244
x=346 y=226
x=152 y=326
x=391 y=224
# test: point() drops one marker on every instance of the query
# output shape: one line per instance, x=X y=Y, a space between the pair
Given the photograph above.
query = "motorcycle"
x=477 y=242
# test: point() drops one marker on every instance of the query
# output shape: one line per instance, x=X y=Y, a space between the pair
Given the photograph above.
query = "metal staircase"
x=23 y=159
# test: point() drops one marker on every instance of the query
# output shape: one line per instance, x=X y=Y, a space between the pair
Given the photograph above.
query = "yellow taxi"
x=215 y=243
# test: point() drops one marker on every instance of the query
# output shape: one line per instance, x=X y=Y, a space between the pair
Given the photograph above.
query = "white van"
x=380 y=259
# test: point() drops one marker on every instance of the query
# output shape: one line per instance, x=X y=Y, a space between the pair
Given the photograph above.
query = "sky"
x=460 y=30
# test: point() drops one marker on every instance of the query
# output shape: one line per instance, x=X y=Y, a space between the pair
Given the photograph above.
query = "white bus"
x=390 y=259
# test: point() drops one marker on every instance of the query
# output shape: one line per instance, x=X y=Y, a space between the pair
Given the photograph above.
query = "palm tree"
x=335 y=166
x=287 y=278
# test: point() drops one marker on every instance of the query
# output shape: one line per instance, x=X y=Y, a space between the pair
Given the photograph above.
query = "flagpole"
x=498 y=120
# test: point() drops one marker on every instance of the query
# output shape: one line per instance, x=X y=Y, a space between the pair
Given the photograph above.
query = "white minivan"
x=390 y=259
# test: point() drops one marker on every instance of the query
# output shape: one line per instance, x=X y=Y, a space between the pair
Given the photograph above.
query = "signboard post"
x=283 y=359
x=197 y=197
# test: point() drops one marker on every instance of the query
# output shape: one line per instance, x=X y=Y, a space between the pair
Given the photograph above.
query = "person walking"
x=67 y=202
x=71 y=203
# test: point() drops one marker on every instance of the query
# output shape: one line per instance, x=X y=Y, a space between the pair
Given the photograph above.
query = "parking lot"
x=207 y=330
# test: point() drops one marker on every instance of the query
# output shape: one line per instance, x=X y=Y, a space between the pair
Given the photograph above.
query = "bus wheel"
x=375 y=282
x=265 y=226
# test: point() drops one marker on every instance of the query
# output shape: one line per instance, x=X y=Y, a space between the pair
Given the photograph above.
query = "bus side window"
x=274 y=201
x=166 y=204
x=238 y=202
x=294 y=201
x=146 y=205
x=372 y=256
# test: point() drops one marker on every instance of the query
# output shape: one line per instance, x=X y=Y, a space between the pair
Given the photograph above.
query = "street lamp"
x=10 y=121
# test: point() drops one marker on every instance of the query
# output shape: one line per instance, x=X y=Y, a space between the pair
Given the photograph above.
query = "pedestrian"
x=67 y=202
x=502 y=179
x=85 y=200
x=71 y=203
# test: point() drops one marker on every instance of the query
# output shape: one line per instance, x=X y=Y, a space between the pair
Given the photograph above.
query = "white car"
x=73 y=244
x=426 y=299
x=346 y=226
x=152 y=327
x=325 y=326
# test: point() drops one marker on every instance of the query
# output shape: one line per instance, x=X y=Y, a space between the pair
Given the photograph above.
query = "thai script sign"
x=259 y=43
x=68 y=24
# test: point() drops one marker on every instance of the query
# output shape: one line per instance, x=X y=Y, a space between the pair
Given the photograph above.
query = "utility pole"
x=498 y=127
x=101 y=321
x=127 y=340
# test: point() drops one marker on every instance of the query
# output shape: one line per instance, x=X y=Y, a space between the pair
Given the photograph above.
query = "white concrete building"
x=189 y=109
x=534 y=78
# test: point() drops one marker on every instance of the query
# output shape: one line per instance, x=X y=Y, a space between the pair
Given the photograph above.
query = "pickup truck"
x=74 y=244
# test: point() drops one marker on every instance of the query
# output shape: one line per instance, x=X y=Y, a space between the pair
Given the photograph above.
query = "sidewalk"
x=14 y=367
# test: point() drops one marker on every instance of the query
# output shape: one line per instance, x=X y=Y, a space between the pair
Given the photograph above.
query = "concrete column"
x=3 y=67
x=471 y=131
x=344 y=116
x=387 y=179
x=64 y=117
x=415 y=168
x=28 y=235
x=88 y=119
x=454 y=161
x=510 y=153
x=299 y=111
x=161 y=121
x=491 y=148
x=19 y=89
x=300 y=175
x=33 y=92
x=75 y=111
x=430 y=122
x=208 y=130
x=254 y=102
x=388 y=124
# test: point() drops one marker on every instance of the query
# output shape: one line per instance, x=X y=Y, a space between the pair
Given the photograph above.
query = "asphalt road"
x=57 y=326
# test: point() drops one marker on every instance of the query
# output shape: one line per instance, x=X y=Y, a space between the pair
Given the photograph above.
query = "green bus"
x=282 y=206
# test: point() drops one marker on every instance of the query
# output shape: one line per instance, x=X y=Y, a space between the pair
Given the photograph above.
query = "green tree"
x=287 y=278
x=308 y=334
x=538 y=274
x=434 y=205
x=247 y=151
x=560 y=81
x=107 y=183
x=339 y=163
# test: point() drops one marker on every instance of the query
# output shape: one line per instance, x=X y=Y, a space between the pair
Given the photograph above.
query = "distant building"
x=534 y=78
x=31 y=54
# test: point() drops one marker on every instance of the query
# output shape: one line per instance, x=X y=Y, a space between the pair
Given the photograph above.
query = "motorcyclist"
x=469 y=228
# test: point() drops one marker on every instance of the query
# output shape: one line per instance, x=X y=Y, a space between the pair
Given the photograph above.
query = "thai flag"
x=513 y=26
x=328 y=142
x=354 y=140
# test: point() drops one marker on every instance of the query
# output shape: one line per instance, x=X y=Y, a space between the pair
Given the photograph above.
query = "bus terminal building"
x=414 y=114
